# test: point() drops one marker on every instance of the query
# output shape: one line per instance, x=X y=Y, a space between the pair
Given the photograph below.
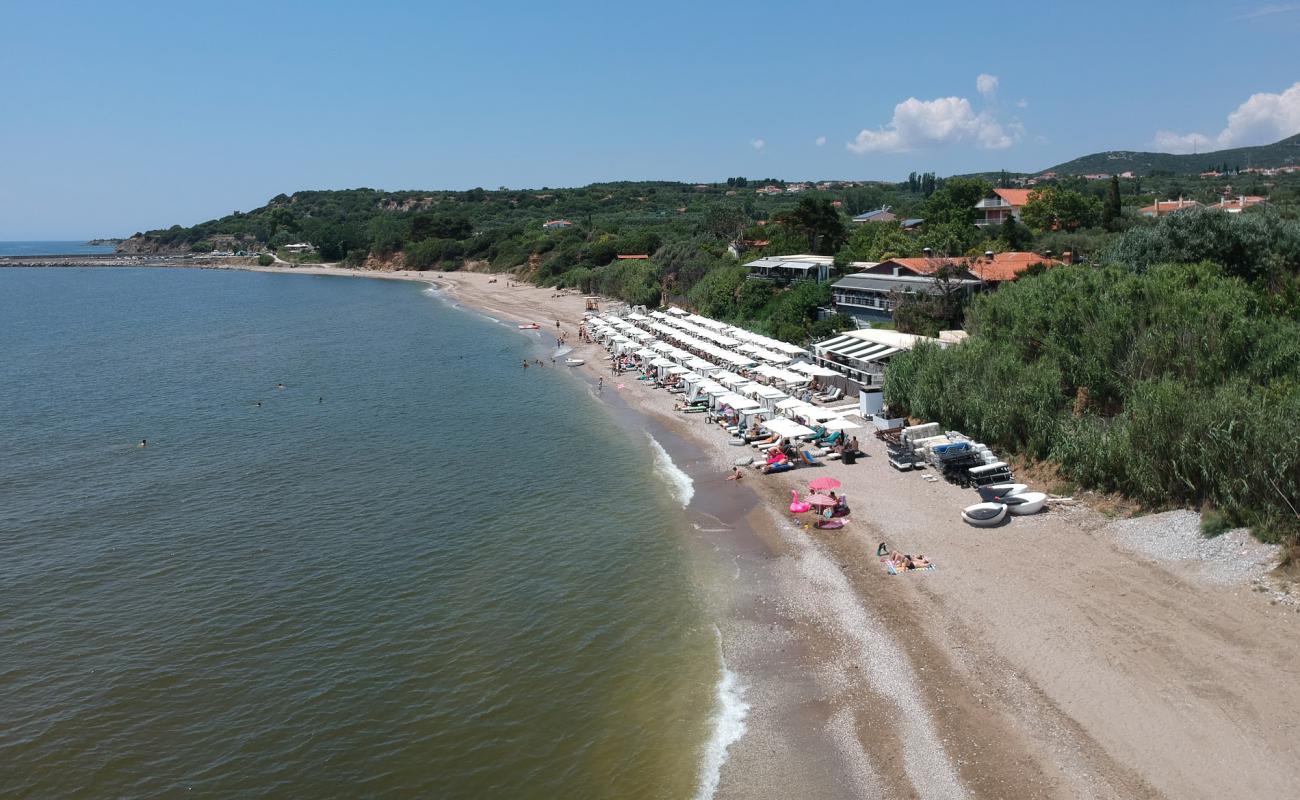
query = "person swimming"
x=144 y=443
x=279 y=386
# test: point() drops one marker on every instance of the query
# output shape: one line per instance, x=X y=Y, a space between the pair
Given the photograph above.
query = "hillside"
x=1279 y=154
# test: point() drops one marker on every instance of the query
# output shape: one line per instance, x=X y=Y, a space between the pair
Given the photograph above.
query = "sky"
x=121 y=117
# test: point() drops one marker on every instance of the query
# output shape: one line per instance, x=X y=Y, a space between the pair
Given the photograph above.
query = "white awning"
x=840 y=424
x=737 y=402
x=786 y=427
x=814 y=369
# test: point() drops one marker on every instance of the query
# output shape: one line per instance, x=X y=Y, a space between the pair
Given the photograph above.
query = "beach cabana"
x=736 y=401
x=840 y=424
x=813 y=370
x=786 y=427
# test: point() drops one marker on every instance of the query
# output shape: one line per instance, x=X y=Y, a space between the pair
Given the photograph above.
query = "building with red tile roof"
x=1164 y=207
x=1002 y=204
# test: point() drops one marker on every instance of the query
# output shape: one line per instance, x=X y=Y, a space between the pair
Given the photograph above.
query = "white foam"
x=729 y=715
x=679 y=483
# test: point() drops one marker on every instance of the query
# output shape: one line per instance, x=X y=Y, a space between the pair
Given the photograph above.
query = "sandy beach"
x=1062 y=655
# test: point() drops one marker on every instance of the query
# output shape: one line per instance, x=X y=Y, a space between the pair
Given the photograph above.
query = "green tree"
x=1112 y=208
x=955 y=201
x=820 y=222
x=440 y=226
x=1013 y=233
x=1054 y=208
x=877 y=241
x=725 y=221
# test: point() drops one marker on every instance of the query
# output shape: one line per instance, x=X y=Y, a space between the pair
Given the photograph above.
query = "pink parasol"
x=819 y=500
x=823 y=484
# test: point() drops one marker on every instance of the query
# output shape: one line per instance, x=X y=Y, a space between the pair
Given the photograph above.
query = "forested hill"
x=1278 y=154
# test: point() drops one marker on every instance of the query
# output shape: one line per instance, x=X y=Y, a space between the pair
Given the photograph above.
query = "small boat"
x=984 y=515
x=532 y=326
x=1026 y=503
x=574 y=362
x=997 y=491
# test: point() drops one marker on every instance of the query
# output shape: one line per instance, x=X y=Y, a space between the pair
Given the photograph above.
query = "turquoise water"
x=53 y=248
x=417 y=570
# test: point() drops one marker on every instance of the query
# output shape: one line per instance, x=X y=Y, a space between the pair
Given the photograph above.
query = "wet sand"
x=1049 y=657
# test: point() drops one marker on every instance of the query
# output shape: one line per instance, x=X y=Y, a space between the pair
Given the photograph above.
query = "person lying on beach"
x=908 y=561
x=735 y=474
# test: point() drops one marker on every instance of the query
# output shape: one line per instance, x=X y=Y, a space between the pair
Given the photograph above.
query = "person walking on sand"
x=600 y=383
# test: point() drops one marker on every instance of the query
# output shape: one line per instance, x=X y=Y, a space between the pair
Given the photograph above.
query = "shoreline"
x=1062 y=655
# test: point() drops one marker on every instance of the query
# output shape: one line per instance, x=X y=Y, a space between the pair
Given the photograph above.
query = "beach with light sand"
x=1067 y=654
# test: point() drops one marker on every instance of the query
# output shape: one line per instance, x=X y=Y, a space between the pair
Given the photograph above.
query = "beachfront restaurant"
x=861 y=355
x=785 y=269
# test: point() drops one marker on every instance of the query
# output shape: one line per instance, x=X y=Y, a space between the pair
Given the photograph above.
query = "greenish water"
x=415 y=571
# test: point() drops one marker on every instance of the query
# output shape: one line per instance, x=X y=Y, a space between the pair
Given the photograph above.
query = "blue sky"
x=117 y=117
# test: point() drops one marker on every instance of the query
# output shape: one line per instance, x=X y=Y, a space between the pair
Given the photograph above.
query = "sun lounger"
x=809 y=460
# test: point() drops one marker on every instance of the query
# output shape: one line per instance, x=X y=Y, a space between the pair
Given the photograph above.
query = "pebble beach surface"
x=1059 y=655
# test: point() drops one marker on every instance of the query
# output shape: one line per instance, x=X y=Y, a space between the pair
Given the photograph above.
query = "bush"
x=265 y=260
x=1173 y=387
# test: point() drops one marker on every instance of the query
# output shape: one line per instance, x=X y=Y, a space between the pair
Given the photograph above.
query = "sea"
x=362 y=552
x=54 y=248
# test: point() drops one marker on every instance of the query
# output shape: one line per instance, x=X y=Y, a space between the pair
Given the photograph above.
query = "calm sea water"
x=417 y=570
x=53 y=249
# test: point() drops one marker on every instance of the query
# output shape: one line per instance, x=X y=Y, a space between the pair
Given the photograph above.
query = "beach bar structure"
x=861 y=355
x=791 y=268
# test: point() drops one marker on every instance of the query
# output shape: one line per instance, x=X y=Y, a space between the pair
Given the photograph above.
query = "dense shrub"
x=1169 y=386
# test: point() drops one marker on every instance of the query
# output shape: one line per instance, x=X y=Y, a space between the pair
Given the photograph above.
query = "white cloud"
x=986 y=84
x=1170 y=142
x=1268 y=11
x=944 y=120
x=821 y=140
x=1264 y=118
x=1022 y=103
x=758 y=144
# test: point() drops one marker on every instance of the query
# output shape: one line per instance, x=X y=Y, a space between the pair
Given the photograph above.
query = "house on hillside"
x=882 y=214
x=1163 y=208
x=871 y=294
x=556 y=224
x=299 y=247
x=1002 y=204
x=1238 y=204
x=791 y=268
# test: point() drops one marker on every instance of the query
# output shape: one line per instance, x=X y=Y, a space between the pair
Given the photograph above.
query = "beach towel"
x=893 y=570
